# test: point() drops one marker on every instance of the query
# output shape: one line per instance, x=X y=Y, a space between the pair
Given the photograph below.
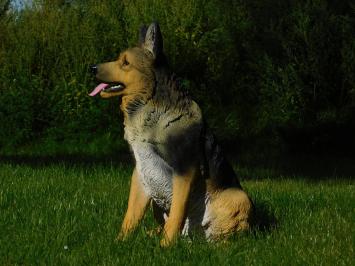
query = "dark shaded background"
x=273 y=77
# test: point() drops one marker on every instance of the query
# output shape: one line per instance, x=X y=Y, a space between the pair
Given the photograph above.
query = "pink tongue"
x=99 y=88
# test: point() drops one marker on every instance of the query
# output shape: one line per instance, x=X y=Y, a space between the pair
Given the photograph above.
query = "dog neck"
x=164 y=91
x=138 y=96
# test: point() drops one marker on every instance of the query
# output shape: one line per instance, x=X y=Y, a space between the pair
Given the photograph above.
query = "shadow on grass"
x=264 y=219
x=69 y=159
x=307 y=167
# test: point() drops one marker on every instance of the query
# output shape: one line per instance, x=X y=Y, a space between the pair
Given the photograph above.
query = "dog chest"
x=154 y=173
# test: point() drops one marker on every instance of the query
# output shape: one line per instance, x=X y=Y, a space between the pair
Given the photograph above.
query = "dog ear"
x=153 y=40
x=142 y=33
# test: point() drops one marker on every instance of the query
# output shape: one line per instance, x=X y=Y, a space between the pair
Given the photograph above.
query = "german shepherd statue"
x=179 y=166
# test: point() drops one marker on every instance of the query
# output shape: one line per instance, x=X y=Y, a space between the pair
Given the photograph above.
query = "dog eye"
x=125 y=62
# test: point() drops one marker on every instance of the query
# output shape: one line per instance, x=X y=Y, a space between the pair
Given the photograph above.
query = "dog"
x=179 y=166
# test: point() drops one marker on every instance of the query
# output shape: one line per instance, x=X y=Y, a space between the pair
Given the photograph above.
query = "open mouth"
x=105 y=87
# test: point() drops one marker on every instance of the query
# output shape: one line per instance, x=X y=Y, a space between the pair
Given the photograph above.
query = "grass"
x=69 y=213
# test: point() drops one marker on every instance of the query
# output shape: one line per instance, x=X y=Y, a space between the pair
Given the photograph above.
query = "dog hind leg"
x=159 y=217
x=231 y=211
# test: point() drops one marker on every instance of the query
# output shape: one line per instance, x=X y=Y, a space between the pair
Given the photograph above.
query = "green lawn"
x=69 y=213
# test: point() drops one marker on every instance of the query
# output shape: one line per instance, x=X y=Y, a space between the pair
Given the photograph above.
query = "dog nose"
x=93 y=69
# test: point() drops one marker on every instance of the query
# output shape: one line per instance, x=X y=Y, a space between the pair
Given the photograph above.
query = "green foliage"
x=44 y=74
x=253 y=66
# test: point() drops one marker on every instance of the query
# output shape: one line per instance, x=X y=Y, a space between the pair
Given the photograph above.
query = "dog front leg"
x=181 y=190
x=137 y=204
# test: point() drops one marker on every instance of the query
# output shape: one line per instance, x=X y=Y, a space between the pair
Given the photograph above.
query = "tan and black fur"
x=180 y=168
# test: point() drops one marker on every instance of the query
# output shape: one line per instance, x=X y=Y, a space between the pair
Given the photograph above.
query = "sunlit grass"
x=70 y=214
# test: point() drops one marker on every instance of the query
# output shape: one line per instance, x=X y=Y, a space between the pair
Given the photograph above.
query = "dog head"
x=133 y=72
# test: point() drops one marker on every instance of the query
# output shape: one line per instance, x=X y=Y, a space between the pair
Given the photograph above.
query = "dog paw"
x=168 y=241
x=155 y=231
x=165 y=242
x=121 y=237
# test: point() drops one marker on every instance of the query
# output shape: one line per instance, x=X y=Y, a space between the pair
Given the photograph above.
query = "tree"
x=4 y=7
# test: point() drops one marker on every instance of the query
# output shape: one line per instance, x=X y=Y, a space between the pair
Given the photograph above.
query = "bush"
x=257 y=68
